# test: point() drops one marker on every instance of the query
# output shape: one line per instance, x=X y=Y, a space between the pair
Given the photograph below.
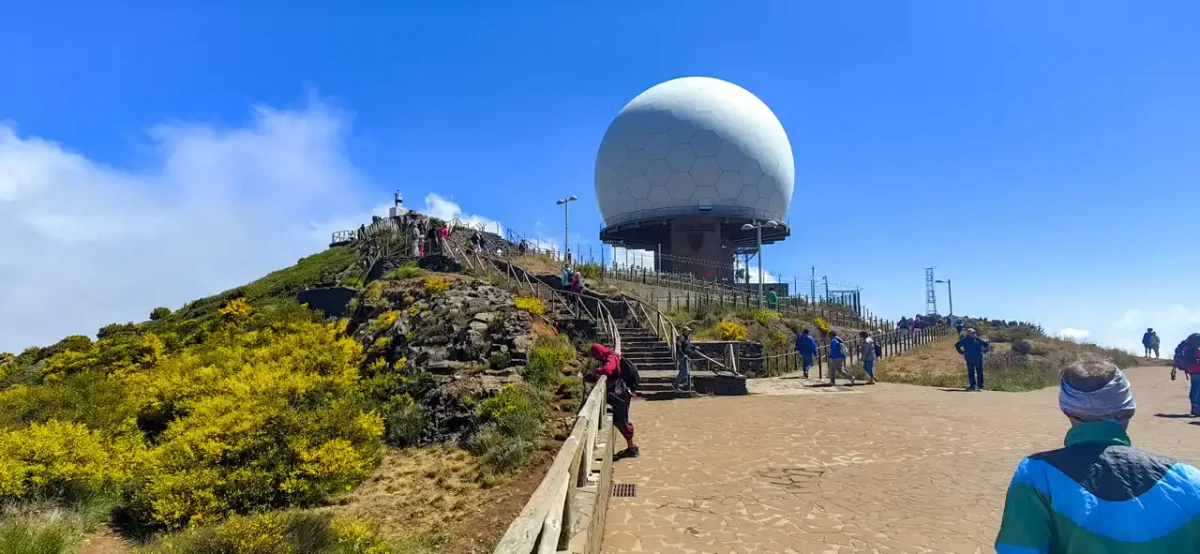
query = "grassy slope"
x=424 y=500
x=938 y=365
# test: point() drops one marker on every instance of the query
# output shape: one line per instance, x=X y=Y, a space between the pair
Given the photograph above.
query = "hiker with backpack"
x=837 y=359
x=622 y=383
x=1187 y=358
x=807 y=347
x=870 y=352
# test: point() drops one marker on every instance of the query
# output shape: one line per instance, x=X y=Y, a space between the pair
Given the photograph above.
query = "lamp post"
x=757 y=226
x=949 y=293
x=564 y=202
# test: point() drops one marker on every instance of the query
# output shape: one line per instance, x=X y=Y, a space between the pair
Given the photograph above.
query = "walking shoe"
x=979 y=388
x=629 y=453
x=806 y=375
x=971 y=388
x=871 y=382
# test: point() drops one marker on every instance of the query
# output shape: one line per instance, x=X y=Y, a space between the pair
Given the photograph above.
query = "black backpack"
x=1181 y=354
x=878 y=350
x=629 y=374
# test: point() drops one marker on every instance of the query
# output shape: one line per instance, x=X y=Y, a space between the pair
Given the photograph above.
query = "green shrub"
x=406 y=271
x=405 y=421
x=512 y=422
x=159 y=313
x=499 y=451
x=1022 y=346
x=547 y=359
x=289 y=532
x=588 y=271
x=500 y=360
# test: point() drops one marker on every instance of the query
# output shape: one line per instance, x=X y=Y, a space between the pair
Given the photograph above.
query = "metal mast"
x=930 y=294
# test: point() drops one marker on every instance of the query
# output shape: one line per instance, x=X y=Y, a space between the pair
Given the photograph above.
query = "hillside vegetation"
x=245 y=422
x=1023 y=358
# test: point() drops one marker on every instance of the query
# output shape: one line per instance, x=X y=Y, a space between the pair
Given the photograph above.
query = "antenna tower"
x=930 y=294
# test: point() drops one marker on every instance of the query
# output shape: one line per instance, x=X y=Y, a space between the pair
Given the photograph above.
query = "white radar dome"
x=694 y=145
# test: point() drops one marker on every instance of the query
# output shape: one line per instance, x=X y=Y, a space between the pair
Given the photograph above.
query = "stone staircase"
x=653 y=358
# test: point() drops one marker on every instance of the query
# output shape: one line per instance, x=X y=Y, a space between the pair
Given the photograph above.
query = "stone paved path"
x=882 y=469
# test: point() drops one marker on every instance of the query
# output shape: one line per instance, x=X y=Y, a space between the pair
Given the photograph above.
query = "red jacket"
x=611 y=362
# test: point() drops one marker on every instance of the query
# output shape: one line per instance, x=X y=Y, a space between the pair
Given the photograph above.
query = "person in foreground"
x=618 y=395
x=1099 y=494
x=807 y=347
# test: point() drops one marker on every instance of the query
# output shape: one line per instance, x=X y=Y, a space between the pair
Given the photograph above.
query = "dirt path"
x=883 y=469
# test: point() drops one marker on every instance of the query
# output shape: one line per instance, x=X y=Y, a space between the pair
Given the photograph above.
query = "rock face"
x=465 y=342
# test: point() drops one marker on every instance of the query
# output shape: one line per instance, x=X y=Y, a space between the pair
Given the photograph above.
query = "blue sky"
x=1039 y=156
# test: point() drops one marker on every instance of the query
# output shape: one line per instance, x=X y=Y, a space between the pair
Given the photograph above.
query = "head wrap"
x=1106 y=402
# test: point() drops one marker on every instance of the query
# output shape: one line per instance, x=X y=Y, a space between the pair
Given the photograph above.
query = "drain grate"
x=624 y=490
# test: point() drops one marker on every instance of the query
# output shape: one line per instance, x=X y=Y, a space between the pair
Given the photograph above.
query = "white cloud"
x=767 y=277
x=85 y=244
x=1172 y=323
x=446 y=209
x=1074 y=334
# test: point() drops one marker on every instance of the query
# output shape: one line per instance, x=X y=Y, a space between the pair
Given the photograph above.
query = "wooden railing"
x=895 y=342
x=567 y=510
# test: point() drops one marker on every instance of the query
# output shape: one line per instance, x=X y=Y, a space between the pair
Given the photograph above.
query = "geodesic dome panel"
x=692 y=145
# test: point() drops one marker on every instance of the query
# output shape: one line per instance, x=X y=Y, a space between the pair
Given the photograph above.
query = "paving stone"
x=883 y=469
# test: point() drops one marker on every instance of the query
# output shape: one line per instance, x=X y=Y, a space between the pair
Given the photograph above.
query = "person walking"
x=806 y=346
x=837 y=359
x=868 y=355
x=1187 y=358
x=972 y=348
x=1098 y=493
x=958 y=326
x=618 y=394
x=683 y=351
x=567 y=274
x=1148 y=341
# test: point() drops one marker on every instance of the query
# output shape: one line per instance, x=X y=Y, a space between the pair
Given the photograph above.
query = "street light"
x=566 y=225
x=949 y=293
x=758 y=226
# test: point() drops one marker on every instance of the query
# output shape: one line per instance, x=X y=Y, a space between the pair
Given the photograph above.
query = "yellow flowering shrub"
x=63 y=459
x=530 y=304
x=822 y=325
x=435 y=284
x=236 y=310
x=287 y=532
x=731 y=330
x=385 y=320
x=764 y=316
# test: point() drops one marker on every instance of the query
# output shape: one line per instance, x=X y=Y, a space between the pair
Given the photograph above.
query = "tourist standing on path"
x=958 y=326
x=972 y=349
x=868 y=355
x=1099 y=494
x=837 y=359
x=618 y=395
x=1148 y=341
x=683 y=349
x=807 y=347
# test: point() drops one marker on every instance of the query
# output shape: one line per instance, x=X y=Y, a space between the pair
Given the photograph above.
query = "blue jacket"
x=805 y=344
x=835 y=349
x=972 y=347
x=1099 y=494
